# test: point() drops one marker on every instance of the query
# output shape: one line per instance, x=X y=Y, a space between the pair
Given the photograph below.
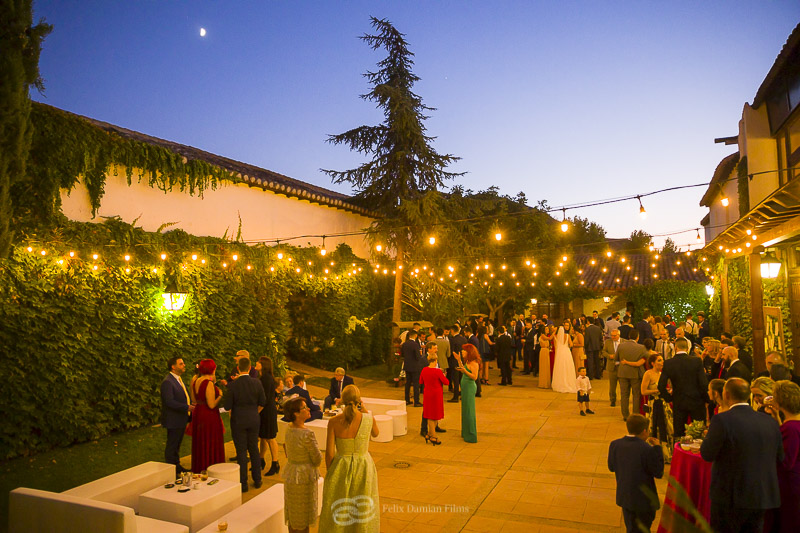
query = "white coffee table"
x=196 y=508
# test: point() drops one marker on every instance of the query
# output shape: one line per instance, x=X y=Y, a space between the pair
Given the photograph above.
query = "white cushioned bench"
x=124 y=488
x=380 y=406
x=43 y=511
x=319 y=427
x=261 y=514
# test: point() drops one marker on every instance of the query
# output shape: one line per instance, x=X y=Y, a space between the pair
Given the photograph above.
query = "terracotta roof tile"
x=636 y=269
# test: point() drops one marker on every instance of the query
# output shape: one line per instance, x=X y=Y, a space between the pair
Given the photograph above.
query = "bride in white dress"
x=564 y=366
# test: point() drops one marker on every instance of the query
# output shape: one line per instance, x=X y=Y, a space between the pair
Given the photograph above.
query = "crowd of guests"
x=254 y=397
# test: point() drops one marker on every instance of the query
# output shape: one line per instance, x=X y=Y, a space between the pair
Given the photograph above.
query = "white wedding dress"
x=564 y=378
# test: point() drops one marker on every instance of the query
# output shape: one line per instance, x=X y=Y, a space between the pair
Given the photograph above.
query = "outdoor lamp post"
x=174 y=301
x=770 y=266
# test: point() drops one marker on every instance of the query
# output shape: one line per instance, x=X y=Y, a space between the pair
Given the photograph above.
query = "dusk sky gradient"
x=568 y=102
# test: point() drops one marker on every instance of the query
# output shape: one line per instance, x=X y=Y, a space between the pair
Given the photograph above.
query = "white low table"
x=380 y=406
x=319 y=427
x=196 y=508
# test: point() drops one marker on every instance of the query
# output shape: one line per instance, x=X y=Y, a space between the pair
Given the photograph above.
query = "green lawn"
x=64 y=468
x=377 y=372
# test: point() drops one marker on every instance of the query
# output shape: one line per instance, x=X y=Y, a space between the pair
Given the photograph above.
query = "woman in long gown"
x=564 y=369
x=578 y=353
x=351 y=484
x=786 y=400
x=208 y=446
x=268 y=430
x=468 y=364
x=545 y=372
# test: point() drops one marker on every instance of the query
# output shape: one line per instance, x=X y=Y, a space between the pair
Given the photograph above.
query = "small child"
x=584 y=387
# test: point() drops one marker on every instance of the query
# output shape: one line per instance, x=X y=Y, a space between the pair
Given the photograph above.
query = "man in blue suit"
x=744 y=447
x=245 y=399
x=338 y=382
x=175 y=409
x=299 y=379
x=636 y=461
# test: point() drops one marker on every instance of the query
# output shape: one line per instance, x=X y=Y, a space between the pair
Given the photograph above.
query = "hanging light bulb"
x=564 y=223
x=431 y=240
x=498 y=236
x=379 y=247
x=642 y=211
x=280 y=255
x=322 y=250
x=725 y=201
x=698 y=235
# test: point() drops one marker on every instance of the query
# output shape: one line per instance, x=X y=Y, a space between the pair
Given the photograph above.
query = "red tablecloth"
x=694 y=475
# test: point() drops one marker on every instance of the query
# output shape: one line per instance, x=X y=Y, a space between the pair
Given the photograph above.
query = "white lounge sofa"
x=261 y=514
x=124 y=488
x=32 y=510
x=319 y=427
x=380 y=406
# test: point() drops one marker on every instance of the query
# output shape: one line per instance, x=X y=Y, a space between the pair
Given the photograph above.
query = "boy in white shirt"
x=584 y=387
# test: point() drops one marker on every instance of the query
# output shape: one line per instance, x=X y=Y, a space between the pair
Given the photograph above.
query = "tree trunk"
x=398 y=288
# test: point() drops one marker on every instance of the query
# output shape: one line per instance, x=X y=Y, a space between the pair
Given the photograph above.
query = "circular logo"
x=349 y=511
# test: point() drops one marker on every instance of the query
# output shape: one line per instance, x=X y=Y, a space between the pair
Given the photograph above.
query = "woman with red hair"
x=469 y=361
x=208 y=447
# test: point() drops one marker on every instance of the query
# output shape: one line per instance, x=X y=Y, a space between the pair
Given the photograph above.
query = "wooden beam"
x=757 y=311
x=724 y=297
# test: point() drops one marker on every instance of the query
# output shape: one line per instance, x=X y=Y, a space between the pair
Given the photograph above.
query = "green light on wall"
x=174 y=301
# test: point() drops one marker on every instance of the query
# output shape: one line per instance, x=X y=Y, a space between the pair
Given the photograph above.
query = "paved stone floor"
x=537 y=466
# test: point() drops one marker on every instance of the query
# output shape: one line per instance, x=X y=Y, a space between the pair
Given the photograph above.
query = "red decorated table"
x=694 y=475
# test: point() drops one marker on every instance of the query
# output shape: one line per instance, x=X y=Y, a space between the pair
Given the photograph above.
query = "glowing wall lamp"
x=770 y=266
x=174 y=301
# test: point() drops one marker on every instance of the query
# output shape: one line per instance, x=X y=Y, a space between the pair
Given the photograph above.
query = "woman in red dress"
x=432 y=378
x=208 y=447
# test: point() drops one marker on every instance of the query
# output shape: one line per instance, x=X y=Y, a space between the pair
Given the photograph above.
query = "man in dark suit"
x=410 y=350
x=626 y=327
x=175 y=409
x=519 y=330
x=338 y=382
x=592 y=344
x=631 y=356
x=528 y=344
x=645 y=327
x=636 y=461
x=505 y=351
x=740 y=343
x=245 y=400
x=689 y=387
x=735 y=367
x=703 y=327
x=610 y=347
x=299 y=380
x=456 y=343
x=744 y=446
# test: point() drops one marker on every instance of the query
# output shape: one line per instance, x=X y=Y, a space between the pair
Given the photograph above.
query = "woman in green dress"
x=468 y=364
x=350 y=495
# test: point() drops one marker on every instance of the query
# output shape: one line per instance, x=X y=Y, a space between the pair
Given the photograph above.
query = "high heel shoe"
x=435 y=441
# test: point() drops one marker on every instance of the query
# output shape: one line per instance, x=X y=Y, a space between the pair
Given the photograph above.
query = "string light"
x=642 y=211
x=194 y=257
x=725 y=201
x=564 y=223
x=322 y=250
x=95 y=256
x=498 y=236
x=72 y=254
x=235 y=257
x=431 y=240
x=127 y=257
x=163 y=257
x=379 y=247
x=280 y=255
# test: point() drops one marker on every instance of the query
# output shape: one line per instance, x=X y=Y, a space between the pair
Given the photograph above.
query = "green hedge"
x=668 y=296
x=84 y=350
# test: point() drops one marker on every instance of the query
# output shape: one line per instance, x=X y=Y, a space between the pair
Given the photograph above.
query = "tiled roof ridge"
x=791 y=44
x=723 y=170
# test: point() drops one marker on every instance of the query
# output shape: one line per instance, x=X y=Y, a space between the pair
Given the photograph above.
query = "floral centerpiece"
x=696 y=429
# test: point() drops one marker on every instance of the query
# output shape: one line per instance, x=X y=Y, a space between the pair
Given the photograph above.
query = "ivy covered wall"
x=89 y=338
x=740 y=301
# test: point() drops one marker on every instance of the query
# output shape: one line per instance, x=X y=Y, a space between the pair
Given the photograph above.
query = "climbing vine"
x=66 y=148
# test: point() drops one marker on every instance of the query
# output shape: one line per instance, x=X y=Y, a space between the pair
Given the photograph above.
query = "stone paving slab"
x=537 y=467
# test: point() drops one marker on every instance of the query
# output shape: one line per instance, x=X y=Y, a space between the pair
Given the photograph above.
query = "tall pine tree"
x=402 y=178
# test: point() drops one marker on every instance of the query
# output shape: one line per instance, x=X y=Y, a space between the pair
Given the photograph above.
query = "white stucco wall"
x=720 y=216
x=758 y=144
x=265 y=215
